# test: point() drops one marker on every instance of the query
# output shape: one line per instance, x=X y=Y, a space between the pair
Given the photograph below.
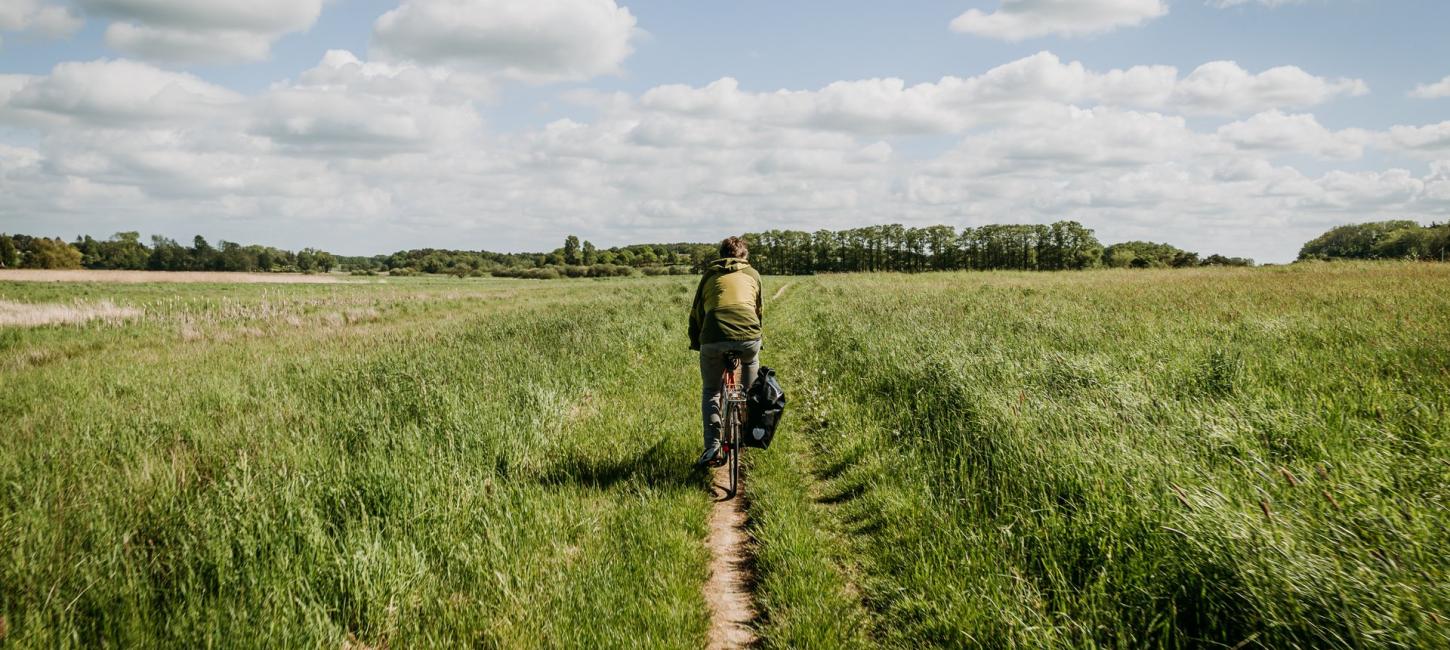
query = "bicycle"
x=733 y=415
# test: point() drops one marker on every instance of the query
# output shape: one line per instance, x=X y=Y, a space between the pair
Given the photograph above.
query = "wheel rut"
x=728 y=590
x=781 y=291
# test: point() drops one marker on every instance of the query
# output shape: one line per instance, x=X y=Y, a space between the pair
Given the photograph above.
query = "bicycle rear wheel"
x=734 y=449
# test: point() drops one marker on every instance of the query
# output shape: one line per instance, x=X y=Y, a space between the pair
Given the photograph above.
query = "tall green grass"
x=1130 y=459
x=1126 y=459
x=417 y=464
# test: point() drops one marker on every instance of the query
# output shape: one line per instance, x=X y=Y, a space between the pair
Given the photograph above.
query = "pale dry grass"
x=23 y=314
x=134 y=277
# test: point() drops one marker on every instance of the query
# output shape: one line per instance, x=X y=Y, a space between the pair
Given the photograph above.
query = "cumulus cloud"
x=346 y=107
x=1277 y=132
x=1018 y=20
x=534 y=40
x=1432 y=139
x=111 y=93
x=1222 y=87
x=215 y=31
x=398 y=148
x=1032 y=89
x=1435 y=90
x=48 y=20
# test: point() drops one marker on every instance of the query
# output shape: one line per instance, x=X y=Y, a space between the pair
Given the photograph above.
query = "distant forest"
x=1062 y=246
x=125 y=251
x=1383 y=240
x=1065 y=245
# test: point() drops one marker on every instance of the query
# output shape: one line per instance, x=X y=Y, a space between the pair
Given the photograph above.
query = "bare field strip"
x=32 y=315
x=137 y=277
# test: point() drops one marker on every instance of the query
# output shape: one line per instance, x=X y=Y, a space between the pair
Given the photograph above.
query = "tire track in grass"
x=728 y=591
x=781 y=291
x=807 y=581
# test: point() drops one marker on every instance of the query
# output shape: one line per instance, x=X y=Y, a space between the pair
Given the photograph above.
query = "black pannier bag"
x=765 y=402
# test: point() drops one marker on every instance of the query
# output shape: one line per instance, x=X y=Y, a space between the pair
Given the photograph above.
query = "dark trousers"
x=712 y=366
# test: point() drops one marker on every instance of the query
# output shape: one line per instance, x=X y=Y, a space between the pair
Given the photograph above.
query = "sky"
x=1240 y=127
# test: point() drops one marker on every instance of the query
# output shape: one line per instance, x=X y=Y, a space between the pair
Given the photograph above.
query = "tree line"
x=1061 y=246
x=126 y=251
x=574 y=259
x=1381 y=240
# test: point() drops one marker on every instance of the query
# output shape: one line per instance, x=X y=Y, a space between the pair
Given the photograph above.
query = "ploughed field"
x=1121 y=458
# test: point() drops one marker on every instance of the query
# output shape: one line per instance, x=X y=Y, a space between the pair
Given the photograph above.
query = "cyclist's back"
x=726 y=317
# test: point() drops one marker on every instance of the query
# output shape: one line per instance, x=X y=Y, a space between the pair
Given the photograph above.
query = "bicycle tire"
x=734 y=451
x=735 y=458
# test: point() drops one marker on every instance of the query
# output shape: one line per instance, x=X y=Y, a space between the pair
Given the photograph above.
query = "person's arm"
x=759 y=299
x=697 y=313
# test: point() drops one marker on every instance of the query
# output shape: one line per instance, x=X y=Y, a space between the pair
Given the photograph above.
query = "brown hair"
x=733 y=247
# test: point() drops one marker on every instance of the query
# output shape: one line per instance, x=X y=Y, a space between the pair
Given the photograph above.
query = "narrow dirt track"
x=728 y=590
x=732 y=605
x=781 y=291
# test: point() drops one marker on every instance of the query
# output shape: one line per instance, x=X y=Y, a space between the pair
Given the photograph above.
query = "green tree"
x=9 y=253
x=1354 y=241
x=1220 y=260
x=202 y=254
x=45 y=253
x=590 y=255
x=1143 y=254
x=571 y=250
x=167 y=255
x=123 y=250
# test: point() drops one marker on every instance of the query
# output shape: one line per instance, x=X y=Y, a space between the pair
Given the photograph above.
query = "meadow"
x=1178 y=458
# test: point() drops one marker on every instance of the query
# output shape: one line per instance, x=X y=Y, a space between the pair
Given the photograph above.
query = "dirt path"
x=781 y=291
x=728 y=590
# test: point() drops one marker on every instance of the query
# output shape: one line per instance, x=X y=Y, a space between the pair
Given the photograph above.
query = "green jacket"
x=728 y=306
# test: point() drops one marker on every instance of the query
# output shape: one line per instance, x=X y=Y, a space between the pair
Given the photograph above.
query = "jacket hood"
x=729 y=264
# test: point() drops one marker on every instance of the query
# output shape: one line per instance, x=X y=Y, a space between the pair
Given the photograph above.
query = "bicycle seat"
x=732 y=360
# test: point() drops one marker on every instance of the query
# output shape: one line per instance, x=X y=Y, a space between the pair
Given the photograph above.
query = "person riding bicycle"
x=725 y=318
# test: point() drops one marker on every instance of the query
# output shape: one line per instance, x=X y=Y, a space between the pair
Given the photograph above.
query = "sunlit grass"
x=1131 y=459
x=1128 y=459
x=436 y=464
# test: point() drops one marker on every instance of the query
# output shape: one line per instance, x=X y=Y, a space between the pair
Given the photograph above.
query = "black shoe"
x=711 y=456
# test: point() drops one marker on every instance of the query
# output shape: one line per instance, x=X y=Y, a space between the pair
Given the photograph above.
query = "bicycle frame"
x=732 y=412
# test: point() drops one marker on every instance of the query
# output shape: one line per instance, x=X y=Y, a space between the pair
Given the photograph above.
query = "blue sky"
x=506 y=124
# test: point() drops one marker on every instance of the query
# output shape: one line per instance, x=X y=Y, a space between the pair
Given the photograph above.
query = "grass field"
x=1251 y=458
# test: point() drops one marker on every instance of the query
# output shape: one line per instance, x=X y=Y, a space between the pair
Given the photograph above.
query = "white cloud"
x=1224 y=88
x=347 y=107
x=1371 y=190
x=112 y=93
x=1432 y=139
x=49 y=20
x=534 y=40
x=1091 y=139
x=1274 y=131
x=1435 y=90
x=367 y=155
x=1018 y=20
x=214 y=31
x=1032 y=89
